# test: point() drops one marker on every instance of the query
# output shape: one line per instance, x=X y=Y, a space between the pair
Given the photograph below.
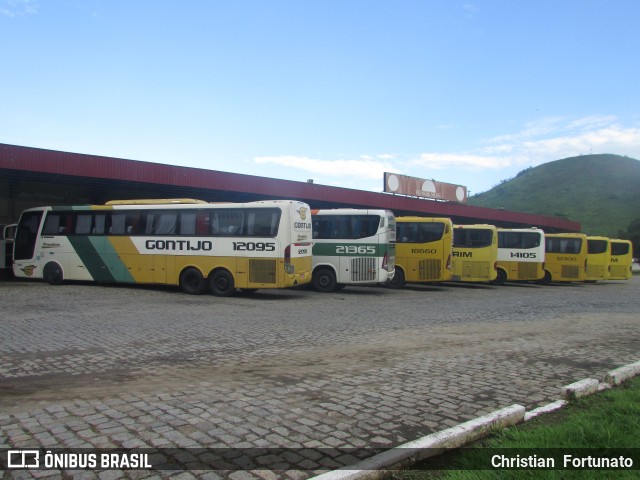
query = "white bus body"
x=190 y=243
x=352 y=246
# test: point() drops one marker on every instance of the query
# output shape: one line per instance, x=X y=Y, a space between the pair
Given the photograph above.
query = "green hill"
x=602 y=192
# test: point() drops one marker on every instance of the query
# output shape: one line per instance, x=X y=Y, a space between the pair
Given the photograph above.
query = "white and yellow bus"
x=565 y=257
x=423 y=250
x=621 y=260
x=598 y=258
x=475 y=253
x=182 y=242
x=352 y=246
x=520 y=255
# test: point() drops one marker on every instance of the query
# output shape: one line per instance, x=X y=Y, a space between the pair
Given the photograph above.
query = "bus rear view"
x=520 y=255
x=598 y=258
x=352 y=246
x=475 y=253
x=423 y=250
x=565 y=257
x=621 y=260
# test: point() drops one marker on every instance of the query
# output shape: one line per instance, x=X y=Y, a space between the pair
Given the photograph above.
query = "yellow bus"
x=598 y=258
x=520 y=255
x=565 y=257
x=423 y=250
x=184 y=242
x=621 y=260
x=475 y=253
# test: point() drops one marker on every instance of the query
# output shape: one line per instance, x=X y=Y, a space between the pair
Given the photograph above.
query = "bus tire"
x=192 y=281
x=501 y=278
x=546 y=280
x=221 y=283
x=398 y=280
x=324 y=280
x=52 y=273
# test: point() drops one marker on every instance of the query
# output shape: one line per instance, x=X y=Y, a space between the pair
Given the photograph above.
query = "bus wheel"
x=546 y=280
x=192 y=281
x=398 y=279
x=501 y=278
x=52 y=273
x=324 y=280
x=221 y=283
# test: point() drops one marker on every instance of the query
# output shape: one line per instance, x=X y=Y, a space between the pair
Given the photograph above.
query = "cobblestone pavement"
x=85 y=365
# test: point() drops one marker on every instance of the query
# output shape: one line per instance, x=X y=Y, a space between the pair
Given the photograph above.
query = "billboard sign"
x=420 y=187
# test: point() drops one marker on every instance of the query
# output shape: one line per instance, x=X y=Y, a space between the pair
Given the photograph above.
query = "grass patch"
x=602 y=425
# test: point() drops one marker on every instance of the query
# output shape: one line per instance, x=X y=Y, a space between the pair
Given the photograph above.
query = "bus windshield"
x=413 y=232
x=345 y=226
x=597 y=246
x=563 y=245
x=618 y=248
x=472 y=238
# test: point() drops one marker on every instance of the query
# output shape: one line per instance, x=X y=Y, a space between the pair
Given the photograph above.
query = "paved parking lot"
x=85 y=365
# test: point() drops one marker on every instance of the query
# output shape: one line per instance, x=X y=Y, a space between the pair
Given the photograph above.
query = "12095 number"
x=254 y=246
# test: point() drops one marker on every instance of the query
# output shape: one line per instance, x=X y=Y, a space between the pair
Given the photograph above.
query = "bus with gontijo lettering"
x=184 y=242
x=475 y=253
x=423 y=250
x=621 y=260
x=352 y=246
x=520 y=255
x=565 y=257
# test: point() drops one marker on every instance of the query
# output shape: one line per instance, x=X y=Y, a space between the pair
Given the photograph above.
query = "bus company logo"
x=179 y=245
x=28 y=270
x=302 y=211
x=567 y=259
x=50 y=245
x=463 y=254
x=523 y=255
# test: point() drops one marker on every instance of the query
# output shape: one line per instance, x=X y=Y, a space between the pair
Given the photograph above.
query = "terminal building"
x=32 y=177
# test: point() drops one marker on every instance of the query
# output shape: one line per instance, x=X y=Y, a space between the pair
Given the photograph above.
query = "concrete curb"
x=549 y=407
x=425 y=447
x=410 y=453
x=619 y=375
x=582 y=388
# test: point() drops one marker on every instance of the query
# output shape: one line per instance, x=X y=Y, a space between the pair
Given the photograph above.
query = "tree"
x=633 y=234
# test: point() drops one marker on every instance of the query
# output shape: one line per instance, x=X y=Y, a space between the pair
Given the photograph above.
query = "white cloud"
x=542 y=141
x=365 y=166
x=441 y=161
x=538 y=142
x=15 y=8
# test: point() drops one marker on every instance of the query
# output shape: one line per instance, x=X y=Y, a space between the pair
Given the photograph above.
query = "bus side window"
x=58 y=224
x=99 y=225
x=118 y=226
x=202 y=223
x=187 y=223
x=83 y=224
x=51 y=224
x=165 y=223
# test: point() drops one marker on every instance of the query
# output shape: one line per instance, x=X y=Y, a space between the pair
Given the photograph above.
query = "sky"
x=338 y=91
